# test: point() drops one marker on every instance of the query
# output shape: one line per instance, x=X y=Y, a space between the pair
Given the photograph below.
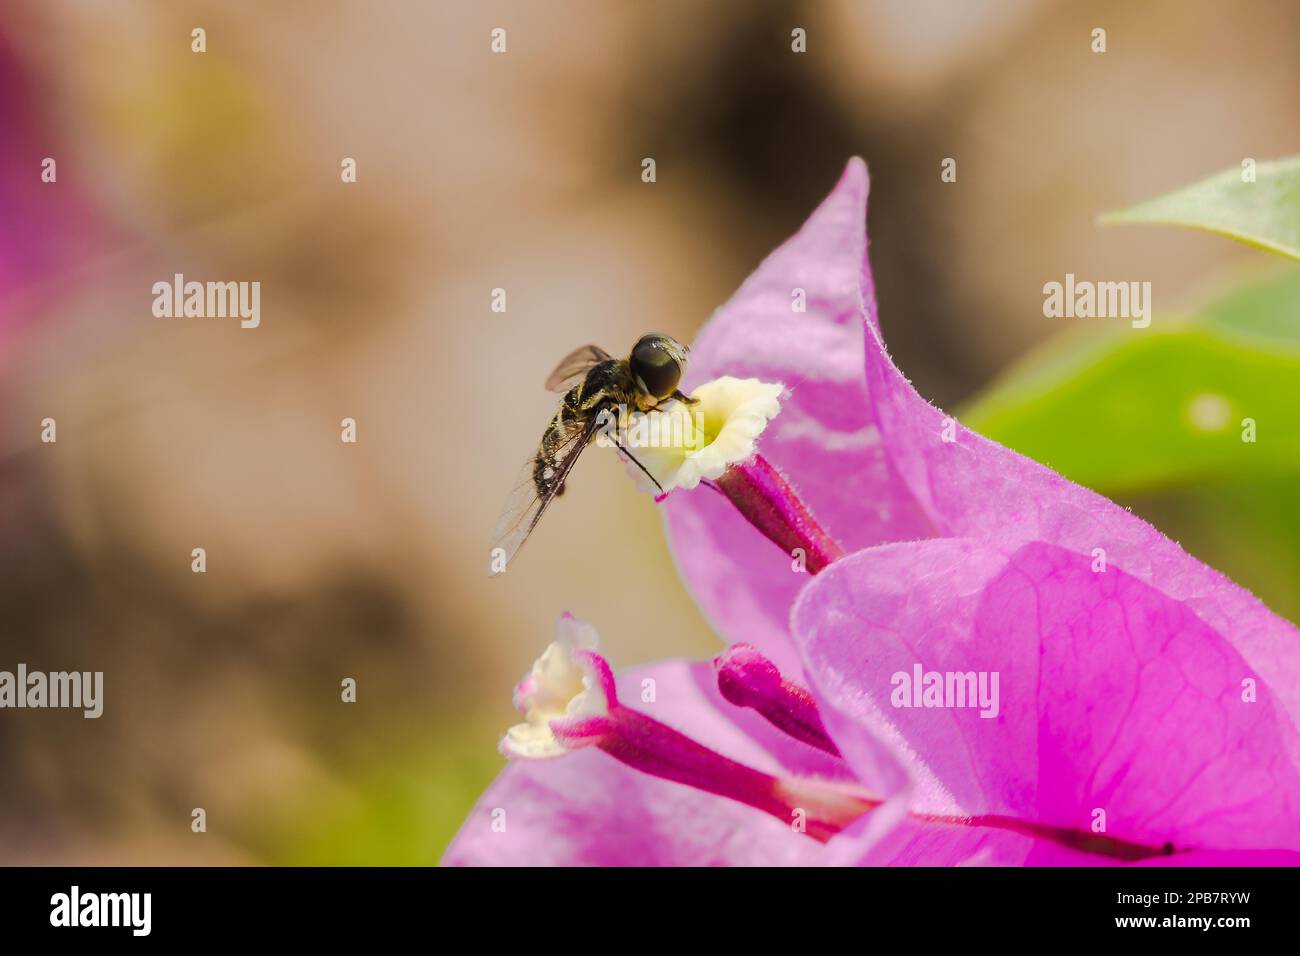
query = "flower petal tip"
x=745 y=675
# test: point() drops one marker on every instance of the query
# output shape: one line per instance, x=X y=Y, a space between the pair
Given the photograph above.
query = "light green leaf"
x=1267 y=310
x=1130 y=410
x=1250 y=531
x=1263 y=213
x=401 y=807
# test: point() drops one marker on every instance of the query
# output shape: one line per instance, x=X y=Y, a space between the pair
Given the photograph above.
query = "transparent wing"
x=574 y=365
x=528 y=502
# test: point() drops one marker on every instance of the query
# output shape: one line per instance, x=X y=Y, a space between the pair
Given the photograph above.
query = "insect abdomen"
x=546 y=468
x=603 y=386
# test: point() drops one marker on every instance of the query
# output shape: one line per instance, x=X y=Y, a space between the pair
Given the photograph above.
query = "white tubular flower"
x=683 y=445
x=565 y=698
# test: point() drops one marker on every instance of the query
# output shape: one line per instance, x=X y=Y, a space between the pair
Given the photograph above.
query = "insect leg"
x=684 y=399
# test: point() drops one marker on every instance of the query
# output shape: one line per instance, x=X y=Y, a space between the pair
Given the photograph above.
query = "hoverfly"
x=594 y=384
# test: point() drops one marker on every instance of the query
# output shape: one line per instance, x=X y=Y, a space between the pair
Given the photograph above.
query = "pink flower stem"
x=768 y=502
x=645 y=744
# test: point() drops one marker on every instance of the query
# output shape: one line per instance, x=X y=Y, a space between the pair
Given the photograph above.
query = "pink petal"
x=1113 y=696
x=871 y=463
x=824 y=438
x=587 y=809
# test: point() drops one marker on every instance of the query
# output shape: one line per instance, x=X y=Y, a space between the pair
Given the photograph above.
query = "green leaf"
x=1264 y=213
x=1128 y=410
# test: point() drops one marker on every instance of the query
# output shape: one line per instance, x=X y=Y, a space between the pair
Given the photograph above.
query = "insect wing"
x=574 y=365
x=527 y=503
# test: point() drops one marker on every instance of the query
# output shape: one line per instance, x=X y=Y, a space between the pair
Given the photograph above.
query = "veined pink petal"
x=1113 y=698
x=973 y=487
x=587 y=809
x=867 y=454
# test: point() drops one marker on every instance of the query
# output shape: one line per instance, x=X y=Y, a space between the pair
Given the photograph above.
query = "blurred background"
x=475 y=171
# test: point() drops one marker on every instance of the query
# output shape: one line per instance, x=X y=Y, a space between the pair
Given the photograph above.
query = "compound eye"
x=656 y=366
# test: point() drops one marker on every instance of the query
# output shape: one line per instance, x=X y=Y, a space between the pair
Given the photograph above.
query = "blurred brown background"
x=475 y=171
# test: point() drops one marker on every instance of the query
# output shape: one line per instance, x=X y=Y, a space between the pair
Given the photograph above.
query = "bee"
x=594 y=385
